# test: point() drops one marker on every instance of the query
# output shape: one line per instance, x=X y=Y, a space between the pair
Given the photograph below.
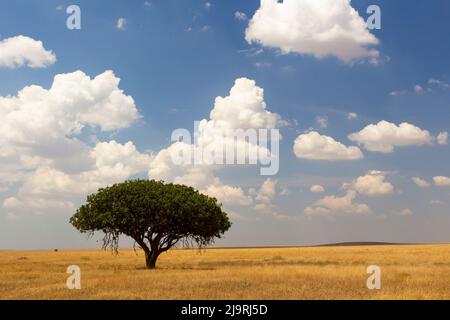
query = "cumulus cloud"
x=441 y=181
x=73 y=102
x=124 y=157
x=267 y=191
x=314 y=146
x=48 y=187
x=338 y=205
x=24 y=51
x=40 y=126
x=385 y=136
x=199 y=176
x=40 y=140
x=318 y=28
x=352 y=115
x=227 y=194
x=372 y=184
x=244 y=108
x=316 y=188
x=420 y=182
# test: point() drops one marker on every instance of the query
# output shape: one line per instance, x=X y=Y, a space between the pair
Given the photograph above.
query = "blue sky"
x=175 y=57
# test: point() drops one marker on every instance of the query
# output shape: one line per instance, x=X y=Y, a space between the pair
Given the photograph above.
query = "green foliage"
x=156 y=215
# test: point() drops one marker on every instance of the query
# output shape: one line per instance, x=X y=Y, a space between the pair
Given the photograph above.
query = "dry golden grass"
x=408 y=272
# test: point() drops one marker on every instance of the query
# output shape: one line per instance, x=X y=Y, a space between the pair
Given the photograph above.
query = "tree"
x=156 y=215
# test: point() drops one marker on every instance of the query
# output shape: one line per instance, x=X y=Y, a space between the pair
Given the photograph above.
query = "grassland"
x=408 y=272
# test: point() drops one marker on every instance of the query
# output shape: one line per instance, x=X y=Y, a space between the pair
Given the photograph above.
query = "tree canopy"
x=158 y=216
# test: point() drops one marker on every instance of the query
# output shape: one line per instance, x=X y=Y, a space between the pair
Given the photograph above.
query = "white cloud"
x=352 y=116
x=371 y=184
x=240 y=16
x=228 y=195
x=40 y=140
x=317 y=188
x=318 y=28
x=51 y=188
x=338 y=205
x=200 y=176
x=208 y=5
x=244 y=108
x=24 y=51
x=121 y=23
x=267 y=191
x=429 y=86
x=40 y=127
x=385 y=136
x=126 y=157
x=439 y=83
x=322 y=121
x=114 y=163
x=73 y=102
x=441 y=181
x=314 y=146
x=420 y=182
x=442 y=138
x=418 y=88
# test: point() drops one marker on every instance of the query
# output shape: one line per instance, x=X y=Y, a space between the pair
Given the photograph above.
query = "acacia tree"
x=156 y=215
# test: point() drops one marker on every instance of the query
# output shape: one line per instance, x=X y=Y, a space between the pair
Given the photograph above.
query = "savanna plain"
x=329 y=272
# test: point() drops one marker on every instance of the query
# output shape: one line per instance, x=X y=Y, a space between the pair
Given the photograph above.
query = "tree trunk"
x=150 y=259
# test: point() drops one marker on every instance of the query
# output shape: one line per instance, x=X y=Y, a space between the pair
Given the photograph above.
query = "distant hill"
x=352 y=244
x=338 y=244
